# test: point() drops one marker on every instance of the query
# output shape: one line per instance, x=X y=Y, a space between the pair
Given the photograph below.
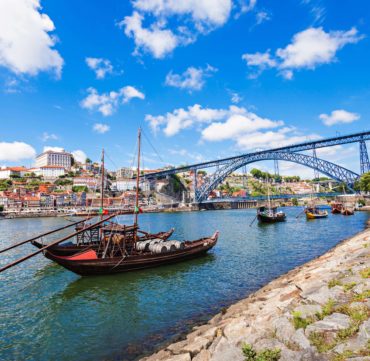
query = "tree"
x=364 y=184
x=295 y=201
x=88 y=160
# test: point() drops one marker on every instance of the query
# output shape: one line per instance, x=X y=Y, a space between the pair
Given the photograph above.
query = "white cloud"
x=101 y=128
x=248 y=130
x=308 y=49
x=236 y=125
x=79 y=156
x=107 y=103
x=53 y=149
x=235 y=98
x=186 y=154
x=26 y=47
x=191 y=79
x=188 y=19
x=16 y=151
x=100 y=66
x=202 y=12
x=46 y=136
x=339 y=116
x=159 y=42
x=262 y=16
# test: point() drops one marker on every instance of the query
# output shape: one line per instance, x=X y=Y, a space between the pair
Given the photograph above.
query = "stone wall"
x=319 y=311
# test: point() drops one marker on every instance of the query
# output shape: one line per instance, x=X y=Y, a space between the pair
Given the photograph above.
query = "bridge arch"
x=332 y=170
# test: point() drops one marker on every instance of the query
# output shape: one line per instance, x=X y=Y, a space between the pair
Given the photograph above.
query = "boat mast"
x=102 y=184
x=268 y=194
x=137 y=180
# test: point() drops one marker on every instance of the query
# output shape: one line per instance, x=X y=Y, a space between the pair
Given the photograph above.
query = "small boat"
x=336 y=208
x=270 y=215
x=315 y=213
x=348 y=210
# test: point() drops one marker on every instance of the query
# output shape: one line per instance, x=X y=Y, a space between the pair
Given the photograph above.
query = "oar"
x=55 y=243
x=299 y=213
x=42 y=235
x=253 y=221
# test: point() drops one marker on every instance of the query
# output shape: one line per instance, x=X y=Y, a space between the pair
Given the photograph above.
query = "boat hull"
x=69 y=250
x=134 y=262
x=267 y=219
x=310 y=215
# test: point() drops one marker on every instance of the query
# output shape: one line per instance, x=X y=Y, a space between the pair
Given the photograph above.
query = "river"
x=49 y=313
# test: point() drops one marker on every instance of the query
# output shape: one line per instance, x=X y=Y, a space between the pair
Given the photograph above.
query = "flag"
x=103 y=211
x=138 y=210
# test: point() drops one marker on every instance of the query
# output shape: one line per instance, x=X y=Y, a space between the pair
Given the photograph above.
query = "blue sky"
x=205 y=79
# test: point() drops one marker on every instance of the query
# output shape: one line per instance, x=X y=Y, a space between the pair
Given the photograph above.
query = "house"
x=60 y=159
x=8 y=172
x=50 y=171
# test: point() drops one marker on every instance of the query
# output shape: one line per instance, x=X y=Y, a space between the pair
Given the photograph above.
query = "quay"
x=318 y=311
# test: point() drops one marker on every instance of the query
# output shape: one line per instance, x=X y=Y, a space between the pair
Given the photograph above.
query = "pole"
x=42 y=235
x=54 y=243
x=102 y=184
x=137 y=179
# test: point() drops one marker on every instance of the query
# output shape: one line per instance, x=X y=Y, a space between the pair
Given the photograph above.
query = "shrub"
x=250 y=354
x=300 y=322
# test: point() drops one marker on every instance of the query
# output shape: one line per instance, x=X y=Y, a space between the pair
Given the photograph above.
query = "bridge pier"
x=364 y=158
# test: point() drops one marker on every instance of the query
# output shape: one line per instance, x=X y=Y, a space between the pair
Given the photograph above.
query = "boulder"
x=226 y=351
x=300 y=339
x=307 y=310
x=284 y=329
x=182 y=357
x=197 y=345
x=330 y=324
x=203 y=355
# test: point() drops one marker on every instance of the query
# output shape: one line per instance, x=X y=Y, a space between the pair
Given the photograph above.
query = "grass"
x=365 y=273
x=318 y=340
x=327 y=309
x=334 y=282
x=251 y=354
x=348 y=286
x=362 y=296
x=300 y=322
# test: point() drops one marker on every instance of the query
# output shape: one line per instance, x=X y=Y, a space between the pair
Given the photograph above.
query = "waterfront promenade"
x=318 y=311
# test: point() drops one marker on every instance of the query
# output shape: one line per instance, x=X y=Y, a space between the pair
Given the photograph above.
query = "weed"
x=334 y=282
x=250 y=354
x=318 y=339
x=348 y=286
x=327 y=309
x=365 y=273
x=300 y=322
x=362 y=296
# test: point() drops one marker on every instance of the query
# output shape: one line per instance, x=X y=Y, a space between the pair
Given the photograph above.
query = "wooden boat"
x=92 y=263
x=270 y=215
x=84 y=243
x=315 y=213
x=114 y=248
x=336 y=208
x=348 y=210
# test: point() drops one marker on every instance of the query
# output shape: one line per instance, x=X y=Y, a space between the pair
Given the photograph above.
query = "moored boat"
x=336 y=208
x=315 y=213
x=270 y=215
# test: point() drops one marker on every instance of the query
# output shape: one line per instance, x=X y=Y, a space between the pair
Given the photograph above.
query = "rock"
x=300 y=339
x=331 y=324
x=210 y=333
x=270 y=343
x=197 y=345
x=235 y=328
x=182 y=357
x=307 y=310
x=203 y=355
x=311 y=354
x=176 y=348
x=364 y=331
x=225 y=351
x=284 y=329
x=159 y=356
x=289 y=355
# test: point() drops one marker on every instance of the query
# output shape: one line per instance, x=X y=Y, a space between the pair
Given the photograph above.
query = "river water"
x=49 y=313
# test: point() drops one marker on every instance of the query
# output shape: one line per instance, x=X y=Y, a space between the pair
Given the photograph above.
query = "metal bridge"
x=290 y=153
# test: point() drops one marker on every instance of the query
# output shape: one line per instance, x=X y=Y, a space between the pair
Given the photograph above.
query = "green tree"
x=364 y=183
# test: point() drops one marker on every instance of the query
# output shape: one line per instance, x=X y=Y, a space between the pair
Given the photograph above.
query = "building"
x=7 y=172
x=89 y=182
x=50 y=171
x=52 y=158
x=129 y=184
x=124 y=172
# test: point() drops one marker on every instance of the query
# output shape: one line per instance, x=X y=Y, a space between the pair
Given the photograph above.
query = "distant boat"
x=315 y=213
x=336 y=208
x=270 y=214
x=348 y=210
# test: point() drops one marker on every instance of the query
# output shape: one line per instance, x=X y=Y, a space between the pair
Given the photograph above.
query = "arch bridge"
x=291 y=153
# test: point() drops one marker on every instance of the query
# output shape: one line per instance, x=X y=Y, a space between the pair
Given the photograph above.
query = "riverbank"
x=318 y=311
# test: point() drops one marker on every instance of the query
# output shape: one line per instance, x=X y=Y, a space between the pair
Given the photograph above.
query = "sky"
x=205 y=79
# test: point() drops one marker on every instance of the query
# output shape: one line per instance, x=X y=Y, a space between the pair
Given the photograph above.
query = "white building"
x=129 y=185
x=89 y=182
x=49 y=172
x=6 y=172
x=124 y=172
x=51 y=158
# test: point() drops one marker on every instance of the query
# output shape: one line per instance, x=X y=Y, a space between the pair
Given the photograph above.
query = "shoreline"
x=268 y=318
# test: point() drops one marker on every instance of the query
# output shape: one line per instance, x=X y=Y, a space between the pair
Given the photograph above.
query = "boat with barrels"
x=348 y=210
x=336 y=208
x=270 y=215
x=110 y=247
